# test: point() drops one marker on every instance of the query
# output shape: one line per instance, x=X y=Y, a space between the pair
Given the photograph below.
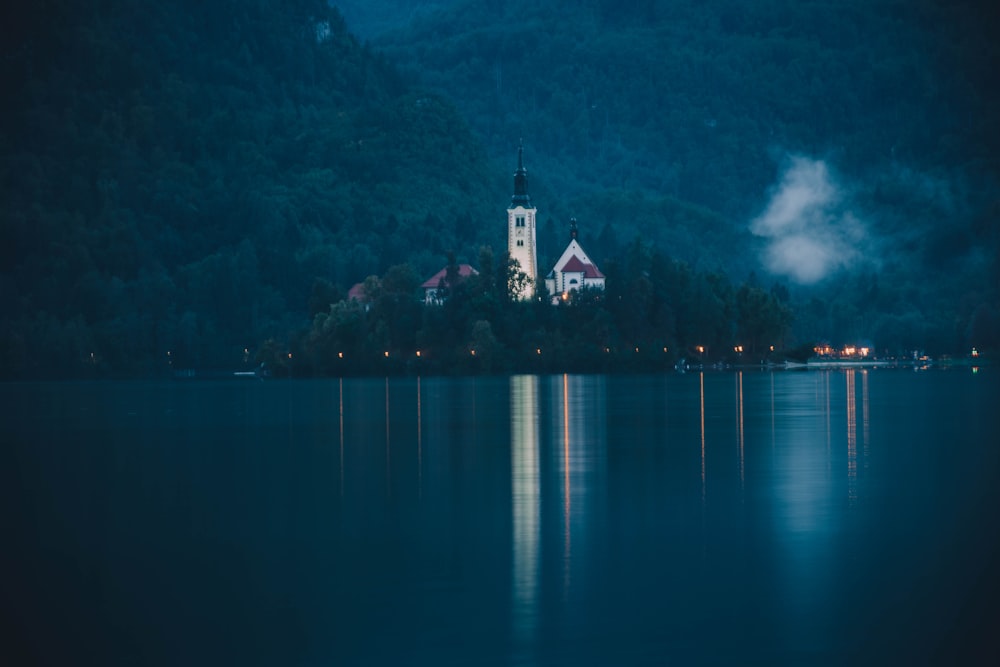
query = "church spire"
x=520 y=197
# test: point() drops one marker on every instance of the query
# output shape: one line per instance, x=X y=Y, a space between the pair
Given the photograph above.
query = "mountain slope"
x=703 y=102
x=176 y=176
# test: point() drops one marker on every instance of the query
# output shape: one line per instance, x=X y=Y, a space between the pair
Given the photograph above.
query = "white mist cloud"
x=810 y=233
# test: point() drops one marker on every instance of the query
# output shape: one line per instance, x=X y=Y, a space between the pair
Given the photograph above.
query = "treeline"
x=655 y=311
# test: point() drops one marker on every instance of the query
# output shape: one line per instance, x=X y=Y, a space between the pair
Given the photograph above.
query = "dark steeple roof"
x=520 y=197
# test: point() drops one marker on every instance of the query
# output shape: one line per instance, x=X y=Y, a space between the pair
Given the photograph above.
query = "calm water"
x=841 y=517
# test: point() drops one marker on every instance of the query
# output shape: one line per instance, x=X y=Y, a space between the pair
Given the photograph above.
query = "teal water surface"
x=834 y=517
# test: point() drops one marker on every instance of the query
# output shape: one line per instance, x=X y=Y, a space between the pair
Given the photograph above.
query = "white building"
x=573 y=270
x=521 y=243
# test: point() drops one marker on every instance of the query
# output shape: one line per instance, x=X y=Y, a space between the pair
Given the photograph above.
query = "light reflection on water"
x=779 y=518
x=525 y=506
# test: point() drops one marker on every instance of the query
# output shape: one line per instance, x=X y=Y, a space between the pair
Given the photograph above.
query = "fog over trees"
x=185 y=181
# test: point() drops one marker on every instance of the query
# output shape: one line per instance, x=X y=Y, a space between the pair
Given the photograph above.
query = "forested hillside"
x=847 y=148
x=176 y=176
x=182 y=181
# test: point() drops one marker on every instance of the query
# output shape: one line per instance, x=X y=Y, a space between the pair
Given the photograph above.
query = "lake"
x=780 y=518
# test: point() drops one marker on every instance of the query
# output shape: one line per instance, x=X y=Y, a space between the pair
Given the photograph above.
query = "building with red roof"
x=436 y=287
x=574 y=270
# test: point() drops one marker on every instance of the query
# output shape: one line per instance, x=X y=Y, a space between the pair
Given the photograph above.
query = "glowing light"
x=386 y=353
x=289 y=355
x=864 y=351
x=700 y=348
x=975 y=352
x=418 y=353
x=772 y=348
x=637 y=350
x=472 y=352
x=565 y=296
x=738 y=348
x=538 y=350
x=340 y=355
x=664 y=350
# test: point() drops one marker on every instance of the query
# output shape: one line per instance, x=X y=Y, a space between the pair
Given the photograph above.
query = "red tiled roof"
x=577 y=265
x=357 y=291
x=464 y=271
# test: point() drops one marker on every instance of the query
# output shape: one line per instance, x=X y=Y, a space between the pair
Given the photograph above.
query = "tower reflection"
x=525 y=505
x=558 y=431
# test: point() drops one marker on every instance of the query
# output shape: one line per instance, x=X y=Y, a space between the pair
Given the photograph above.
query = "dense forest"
x=196 y=185
x=176 y=175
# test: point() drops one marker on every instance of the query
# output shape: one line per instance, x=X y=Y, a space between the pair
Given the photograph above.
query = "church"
x=574 y=269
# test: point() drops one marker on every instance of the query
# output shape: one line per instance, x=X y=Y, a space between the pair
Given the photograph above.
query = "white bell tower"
x=521 y=243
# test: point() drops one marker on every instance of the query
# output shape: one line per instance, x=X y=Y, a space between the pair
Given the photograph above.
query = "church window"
x=519 y=221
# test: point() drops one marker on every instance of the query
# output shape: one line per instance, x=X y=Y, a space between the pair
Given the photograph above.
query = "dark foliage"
x=177 y=175
x=655 y=312
x=182 y=181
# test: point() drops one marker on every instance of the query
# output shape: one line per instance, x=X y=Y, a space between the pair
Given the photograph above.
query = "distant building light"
x=340 y=355
x=386 y=353
x=418 y=353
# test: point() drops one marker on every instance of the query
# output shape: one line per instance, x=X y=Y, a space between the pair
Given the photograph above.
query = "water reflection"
x=864 y=415
x=739 y=420
x=564 y=521
x=388 y=450
x=525 y=505
x=701 y=397
x=567 y=501
x=340 y=400
x=557 y=451
x=420 y=446
x=578 y=455
x=852 y=439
